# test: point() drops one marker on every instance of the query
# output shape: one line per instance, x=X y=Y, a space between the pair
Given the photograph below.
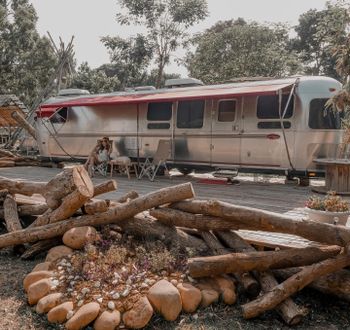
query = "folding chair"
x=151 y=167
x=100 y=168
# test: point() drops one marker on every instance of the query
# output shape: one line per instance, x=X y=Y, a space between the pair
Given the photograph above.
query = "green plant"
x=331 y=203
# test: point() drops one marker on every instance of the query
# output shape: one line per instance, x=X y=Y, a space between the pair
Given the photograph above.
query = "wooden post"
x=117 y=214
x=293 y=284
x=23 y=123
x=248 y=282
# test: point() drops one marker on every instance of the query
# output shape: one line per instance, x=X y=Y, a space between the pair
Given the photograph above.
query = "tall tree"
x=166 y=23
x=26 y=59
x=233 y=49
x=318 y=34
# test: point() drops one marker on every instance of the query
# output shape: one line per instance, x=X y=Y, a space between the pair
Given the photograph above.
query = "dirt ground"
x=324 y=312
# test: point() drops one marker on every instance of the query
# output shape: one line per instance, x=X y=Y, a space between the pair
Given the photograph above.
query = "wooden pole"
x=293 y=284
x=254 y=219
x=113 y=215
x=23 y=123
x=260 y=261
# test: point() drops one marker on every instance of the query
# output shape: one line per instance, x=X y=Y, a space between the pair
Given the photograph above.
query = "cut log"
x=12 y=221
x=35 y=209
x=113 y=215
x=41 y=246
x=6 y=153
x=260 y=261
x=248 y=282
x=254 y=219
x=7 y=163
x=128 y=196
x=70 y=204
x=24 y=123
x=143 y=226
x=95 y=206
x=105 y=187
x=336 y=284
x=287 y=309
x=293 y=284
x=65 y=183
x=27 y=188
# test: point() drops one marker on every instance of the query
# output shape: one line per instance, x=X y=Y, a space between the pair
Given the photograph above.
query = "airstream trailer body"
x=274 y=126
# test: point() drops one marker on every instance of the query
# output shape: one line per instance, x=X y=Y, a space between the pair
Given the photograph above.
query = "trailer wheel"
x=304 y=181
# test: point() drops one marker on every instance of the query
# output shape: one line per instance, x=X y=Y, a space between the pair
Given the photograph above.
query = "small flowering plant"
x=331 y=203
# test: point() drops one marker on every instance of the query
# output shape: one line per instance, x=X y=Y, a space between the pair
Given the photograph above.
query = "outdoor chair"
x=99 y=169
x=151 y=166
x=123 y=164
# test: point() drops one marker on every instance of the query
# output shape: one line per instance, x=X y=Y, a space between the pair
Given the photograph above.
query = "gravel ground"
x=323 y=312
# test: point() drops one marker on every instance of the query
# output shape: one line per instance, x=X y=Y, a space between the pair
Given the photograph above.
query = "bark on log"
x=95 y=206
x=70 y=204
x=113 y=215
x=6 y=153
x=260 y=261
x=3 y=194
x=293 y=284
x=27 y=188
x=254 y=219
x=7 y=163
x=12 y=221
x=35 y=209
x=66 y=182
x=143 y=226
x=287 y=309
x=336 y=284
x=24 y=123
x=41 y=246
x=249 y=283
x=128 y=196
x=105 y=187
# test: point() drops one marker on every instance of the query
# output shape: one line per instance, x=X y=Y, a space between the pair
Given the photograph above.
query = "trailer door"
x=225 y=145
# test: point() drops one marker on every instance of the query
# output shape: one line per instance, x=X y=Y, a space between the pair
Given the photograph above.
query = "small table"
x=124 y=165
x=337 y=175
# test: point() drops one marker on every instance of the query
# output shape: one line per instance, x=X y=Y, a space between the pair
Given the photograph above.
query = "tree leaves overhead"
x=232 y=49
x=26 y=59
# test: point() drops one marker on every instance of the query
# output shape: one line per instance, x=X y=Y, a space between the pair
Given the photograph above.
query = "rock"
x=42 y=266
x=59 y=313
x=85 y=315
x=227 y=289
x=38 y=290
x=166 y=299
x=108 y=320
x=140 y=314
x=35 y=277
x=209 y=297
x=190 y=296
x=48 y=302
x=76 y=238
x=58 y=252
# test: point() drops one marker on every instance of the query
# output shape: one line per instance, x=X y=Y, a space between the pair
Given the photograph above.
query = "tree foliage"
x=166 y=23
x=26 y=58
x=232 y=49
x=318 y=34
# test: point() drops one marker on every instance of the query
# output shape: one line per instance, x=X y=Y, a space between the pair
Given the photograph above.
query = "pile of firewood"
x=9 y=159
x=171 y=214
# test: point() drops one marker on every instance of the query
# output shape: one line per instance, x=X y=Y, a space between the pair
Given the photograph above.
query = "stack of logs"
x=172 y=215
x=9 y=159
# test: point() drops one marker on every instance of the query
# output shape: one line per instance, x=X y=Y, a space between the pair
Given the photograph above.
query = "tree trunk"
x=293 y=284
x=70 y=204
x=336 y=284
x=105 y=187
x=3 y=194
x=117 y=214
x=260 y=261
x=242 y=217
x=128 y=196
x=250 y=285
x=23 y=123
x=95 y=206
x=12 y=221
x=65 y=183
x=27 y=188
x=145 y=227
x=41 y=246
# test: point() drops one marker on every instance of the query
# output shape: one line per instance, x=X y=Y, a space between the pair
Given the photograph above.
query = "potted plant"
x=330 y=209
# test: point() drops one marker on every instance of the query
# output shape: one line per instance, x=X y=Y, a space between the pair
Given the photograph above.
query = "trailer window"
x=60 y=116
x=190 y=114
x=227 y=110
x=159 y=111
x=268 y=108
x=273 y=124
x=321 y=117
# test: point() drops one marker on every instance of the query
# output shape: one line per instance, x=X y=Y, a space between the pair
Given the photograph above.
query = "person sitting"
x=100 y=154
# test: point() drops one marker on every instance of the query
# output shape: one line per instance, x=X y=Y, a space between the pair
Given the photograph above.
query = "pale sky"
x=89 y=20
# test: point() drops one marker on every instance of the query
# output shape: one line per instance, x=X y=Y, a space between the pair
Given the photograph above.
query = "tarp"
x=168 y=96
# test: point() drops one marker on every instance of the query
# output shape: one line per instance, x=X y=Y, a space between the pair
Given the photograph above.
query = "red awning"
x=177 y=94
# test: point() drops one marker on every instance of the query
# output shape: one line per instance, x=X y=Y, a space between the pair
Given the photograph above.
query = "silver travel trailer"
x=271 y=126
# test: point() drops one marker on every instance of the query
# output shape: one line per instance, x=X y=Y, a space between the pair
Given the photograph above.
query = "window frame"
x=274 y=118
x=159 y=120
x=56 y=113
x=235 y=111
x=323 y=129
x=203 y=113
